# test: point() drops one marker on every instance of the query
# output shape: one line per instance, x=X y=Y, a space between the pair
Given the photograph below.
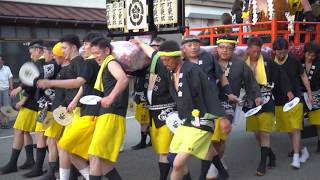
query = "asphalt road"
x=242 y=157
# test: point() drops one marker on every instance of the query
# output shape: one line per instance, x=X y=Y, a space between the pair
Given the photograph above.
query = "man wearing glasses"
x=238 y=74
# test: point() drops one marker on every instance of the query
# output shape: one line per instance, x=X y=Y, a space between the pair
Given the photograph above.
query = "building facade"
x=205 y=13
x=22 y=21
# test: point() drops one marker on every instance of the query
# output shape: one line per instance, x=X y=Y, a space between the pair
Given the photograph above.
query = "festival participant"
x=80 y=133
x=270 y=78
x=192 y=53
x=239 y=74
x=76 y=76
x=291 y=122
x=26 y=119
x=142 y=114
x=191 y=91
x=44 y=99
x=55 y=130
x=110 y=126
x=312 y=67
x=160 y=105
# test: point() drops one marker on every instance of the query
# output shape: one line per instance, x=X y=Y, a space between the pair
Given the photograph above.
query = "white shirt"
x=5 y=75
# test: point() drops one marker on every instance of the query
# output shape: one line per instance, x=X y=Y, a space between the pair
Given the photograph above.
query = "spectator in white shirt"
x=6 y=85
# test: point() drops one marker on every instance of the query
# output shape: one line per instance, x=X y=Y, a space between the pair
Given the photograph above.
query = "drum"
x=262 y=10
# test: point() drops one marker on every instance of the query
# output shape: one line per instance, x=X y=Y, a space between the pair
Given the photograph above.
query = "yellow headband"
x=170 y=54
x=227 y=41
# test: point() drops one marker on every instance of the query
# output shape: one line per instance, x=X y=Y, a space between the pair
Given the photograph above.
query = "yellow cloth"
x=108 y=137
x=280 y=62
x=99 y=82
x=57 y=49
x=314 y=117
x=142 y=114
x=54 y=131
x=80 y=136
x=263 y=122
x=64 y=140
x=218 y=135
x=191 y=140
x=295 y=5
x=291 y=120
x=160 y=138
x=170 y=54
x=26 y=120
x=245 y=14
x=226 y=41
x=39 y=127
x=260 y=72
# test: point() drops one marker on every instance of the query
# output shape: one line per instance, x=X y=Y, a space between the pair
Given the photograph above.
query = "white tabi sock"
x=85 y=172
x=64 y=174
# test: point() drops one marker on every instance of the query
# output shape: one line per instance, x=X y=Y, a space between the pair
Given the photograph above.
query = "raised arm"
x=148 y=50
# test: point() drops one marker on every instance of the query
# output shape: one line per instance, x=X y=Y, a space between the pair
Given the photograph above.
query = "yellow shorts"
x=160 y=138
x=291 y=120
x=26 y=120
x=108 y=137
x=81 y=134
x=191 y=140
x=218 y=135
x=314 y=117
x=142 y=114
x=64 y=138
x=54 y=131
x=261 y=122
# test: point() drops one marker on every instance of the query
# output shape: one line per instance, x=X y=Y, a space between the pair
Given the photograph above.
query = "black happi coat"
x=239 y=75
x=161 y=102
x=293 y=70
x=277 y=78
x=314 y=78
x=160 y=94
x=48 y=70
x=194 y=92
x=211 y=67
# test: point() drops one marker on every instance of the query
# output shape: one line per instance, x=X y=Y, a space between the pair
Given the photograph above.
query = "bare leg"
x=41 y=140
x=27 y=139
x=264 y=139
x=180 y=166
x=53 y=150
x=18 y=139
x=78 y=162
x=95 y=166
x=144 y=127
x=296 y=141
x=64 y=159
